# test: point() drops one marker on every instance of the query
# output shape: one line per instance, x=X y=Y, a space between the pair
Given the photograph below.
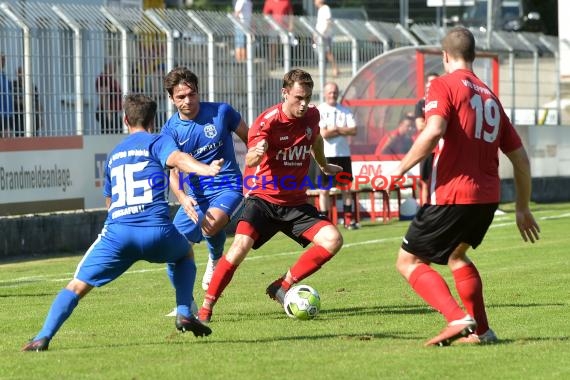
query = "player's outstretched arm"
x=186 y=201
x=188 y=164
x=526 y=224
x=318 y=151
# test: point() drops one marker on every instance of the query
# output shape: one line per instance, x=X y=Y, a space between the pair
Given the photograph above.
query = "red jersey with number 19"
x=466 y=159
x=282 y=175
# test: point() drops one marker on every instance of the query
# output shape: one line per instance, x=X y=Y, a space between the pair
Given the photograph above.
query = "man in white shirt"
x=337 y=123
x=243 y=11
x=324 y=28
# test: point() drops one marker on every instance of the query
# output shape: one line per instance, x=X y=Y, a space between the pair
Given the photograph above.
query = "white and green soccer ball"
x=302 y=302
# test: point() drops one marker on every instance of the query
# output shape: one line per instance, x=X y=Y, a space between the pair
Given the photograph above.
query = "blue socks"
x=182 y=275
x=216 y=244
x=61 y=308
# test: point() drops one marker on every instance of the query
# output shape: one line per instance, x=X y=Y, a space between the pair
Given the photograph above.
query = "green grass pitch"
x=371 y=324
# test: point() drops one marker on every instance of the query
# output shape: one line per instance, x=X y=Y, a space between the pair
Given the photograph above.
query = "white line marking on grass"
x=560 y=216
x=24 y=280
x=555 y=216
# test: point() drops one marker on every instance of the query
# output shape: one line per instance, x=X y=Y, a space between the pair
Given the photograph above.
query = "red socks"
x=433 y=289
x=220 y=279
x=347 y=211
x=309 y=262
x=470 y=288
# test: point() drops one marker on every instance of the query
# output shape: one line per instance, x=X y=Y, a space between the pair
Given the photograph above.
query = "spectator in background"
x=425 y=164
x=6 y=101
x=19 y=101
x=108 y=112
x=153 y=87
x=325 y=28
x=420 y=106
x=282 y=12
x=399 y=141
x=337 y=123
x=242 y=11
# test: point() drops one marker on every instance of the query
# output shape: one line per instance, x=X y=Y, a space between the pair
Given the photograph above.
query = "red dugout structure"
x=387 y=88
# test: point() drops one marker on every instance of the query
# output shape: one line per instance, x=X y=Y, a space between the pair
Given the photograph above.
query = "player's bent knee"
x=79 y=287
x=330 y=239
x=211 y=229
x=401 y=267
x=214 y=221
x=213 y=226
x=407 y=262
x=337 y=243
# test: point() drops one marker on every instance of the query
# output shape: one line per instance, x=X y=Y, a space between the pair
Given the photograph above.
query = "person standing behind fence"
x=204 y=130
x=324 y=27
x=282 y=12
x=19 y=101
x=337 y=123
x=108 y=112
x=243 y=11
x=467 y=126
x=6 y=101
x=153 y=87
x=138 y=225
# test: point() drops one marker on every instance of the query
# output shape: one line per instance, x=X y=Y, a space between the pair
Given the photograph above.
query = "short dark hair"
x=459 y=43
x=140 y=110
x=299 y=76
x=180 y=75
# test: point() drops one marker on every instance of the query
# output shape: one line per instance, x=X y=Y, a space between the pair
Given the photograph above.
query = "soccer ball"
x=302 y=302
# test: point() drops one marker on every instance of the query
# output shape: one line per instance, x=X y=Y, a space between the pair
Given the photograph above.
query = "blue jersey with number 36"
x=136 y=182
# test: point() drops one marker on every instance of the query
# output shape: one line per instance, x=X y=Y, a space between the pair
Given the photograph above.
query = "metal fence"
x=529 y=73
x=65 y=67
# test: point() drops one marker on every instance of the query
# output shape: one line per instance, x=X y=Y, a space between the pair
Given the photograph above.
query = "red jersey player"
x=280 y=143
x=467 y=123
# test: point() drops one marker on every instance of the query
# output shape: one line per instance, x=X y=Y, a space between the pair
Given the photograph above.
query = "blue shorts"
x=119 y=246
x=327 y=43
x=228 y=201
x=239 y=39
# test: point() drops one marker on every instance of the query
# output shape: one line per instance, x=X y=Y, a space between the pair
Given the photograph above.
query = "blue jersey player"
x=204 y=130
x=138 y=225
